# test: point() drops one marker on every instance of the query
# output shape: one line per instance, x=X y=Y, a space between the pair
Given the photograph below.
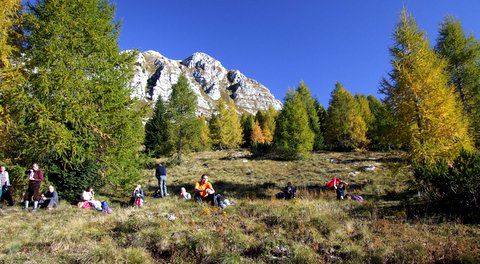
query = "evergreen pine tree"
x=77 y=119
x=293 y=137
x=183 y=125
x=381 y=132
x=157 y=131
x=462 y=53
x=346 y=128
x=313 y=121
x=322 y=120
x=429 y=115
x=248 y=121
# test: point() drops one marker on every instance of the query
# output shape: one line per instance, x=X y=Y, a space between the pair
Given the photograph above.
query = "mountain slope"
x=155 y=74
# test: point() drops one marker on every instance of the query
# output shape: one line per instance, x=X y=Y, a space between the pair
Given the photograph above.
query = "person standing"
x=5 y=186
x=161 y=174
x=36 y=177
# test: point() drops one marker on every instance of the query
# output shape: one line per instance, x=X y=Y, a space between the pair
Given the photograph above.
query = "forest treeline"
x=430 y=108
x=65 y=102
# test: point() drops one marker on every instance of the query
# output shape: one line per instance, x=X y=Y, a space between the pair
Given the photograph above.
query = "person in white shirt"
x=5 y=186
x=88 y=196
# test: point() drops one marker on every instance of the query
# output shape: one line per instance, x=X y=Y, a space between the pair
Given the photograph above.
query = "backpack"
x=357 y=198
x=105 y=208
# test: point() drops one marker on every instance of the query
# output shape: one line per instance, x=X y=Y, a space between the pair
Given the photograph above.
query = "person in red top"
x=36 y=177
x=204 y=190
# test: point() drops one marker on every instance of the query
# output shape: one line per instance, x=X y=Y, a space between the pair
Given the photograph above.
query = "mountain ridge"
x=154 y=75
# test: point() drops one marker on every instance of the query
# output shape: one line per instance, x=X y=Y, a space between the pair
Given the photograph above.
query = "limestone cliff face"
x=155 y=75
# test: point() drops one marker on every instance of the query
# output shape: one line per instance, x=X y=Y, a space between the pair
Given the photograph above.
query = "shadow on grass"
x=226 y=188
x=406 y=206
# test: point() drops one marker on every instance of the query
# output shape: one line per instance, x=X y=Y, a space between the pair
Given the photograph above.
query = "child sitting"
x=340 y=189
x=137 y=196
x=184 y=194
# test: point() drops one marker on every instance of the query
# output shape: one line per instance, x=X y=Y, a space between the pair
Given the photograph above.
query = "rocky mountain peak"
x=155 y=74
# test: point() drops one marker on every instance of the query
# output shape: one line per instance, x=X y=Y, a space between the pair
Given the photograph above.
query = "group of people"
x=203 y=191
x=47 y=200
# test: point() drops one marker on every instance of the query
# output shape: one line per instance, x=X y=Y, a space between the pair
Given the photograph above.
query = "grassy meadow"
x=392 y=225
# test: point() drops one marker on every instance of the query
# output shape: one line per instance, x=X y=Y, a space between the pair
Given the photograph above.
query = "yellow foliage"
x=257 y=134
x=430 y=116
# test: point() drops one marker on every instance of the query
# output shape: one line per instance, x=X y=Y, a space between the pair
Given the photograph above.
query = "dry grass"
x=312 y=229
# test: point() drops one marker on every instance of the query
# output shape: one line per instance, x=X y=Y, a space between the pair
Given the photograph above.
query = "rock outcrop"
x=155 y=75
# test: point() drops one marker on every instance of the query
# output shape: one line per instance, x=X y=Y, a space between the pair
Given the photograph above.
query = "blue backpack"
x=105 y=208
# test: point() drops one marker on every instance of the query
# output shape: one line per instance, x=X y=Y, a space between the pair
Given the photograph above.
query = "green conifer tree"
x=322 y=119
x=77 y=119
x=184 y=130
x=248 y=121
x=293 y=137
x=157 y=131
x=381 y=132
x=462 y=53
x=313 y=121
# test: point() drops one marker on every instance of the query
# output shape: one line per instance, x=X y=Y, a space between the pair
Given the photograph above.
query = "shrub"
x=70 y=182
x=18 y=180
x=456 y=185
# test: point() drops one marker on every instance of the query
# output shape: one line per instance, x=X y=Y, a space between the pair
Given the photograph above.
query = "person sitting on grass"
x=340 y=189
x=204 y=191
x=137 y=196
x=184 y=194
x=288 y=192
x=49 y=199
x=89 y=201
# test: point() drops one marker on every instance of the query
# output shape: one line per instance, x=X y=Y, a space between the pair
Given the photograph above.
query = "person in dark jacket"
x=340 y=189
x=35 y=176
x=288 y=192
x=161 y=174
x=50 y=198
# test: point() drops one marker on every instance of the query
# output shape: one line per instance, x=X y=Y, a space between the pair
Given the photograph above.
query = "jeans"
x=162 y=184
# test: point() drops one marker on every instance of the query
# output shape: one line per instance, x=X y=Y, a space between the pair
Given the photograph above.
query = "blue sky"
x=280 y=42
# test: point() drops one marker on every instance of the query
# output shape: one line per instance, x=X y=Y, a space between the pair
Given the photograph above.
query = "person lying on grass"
x=288 y=192
x=137 y=196
x=204 y=191
x=49 y=199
